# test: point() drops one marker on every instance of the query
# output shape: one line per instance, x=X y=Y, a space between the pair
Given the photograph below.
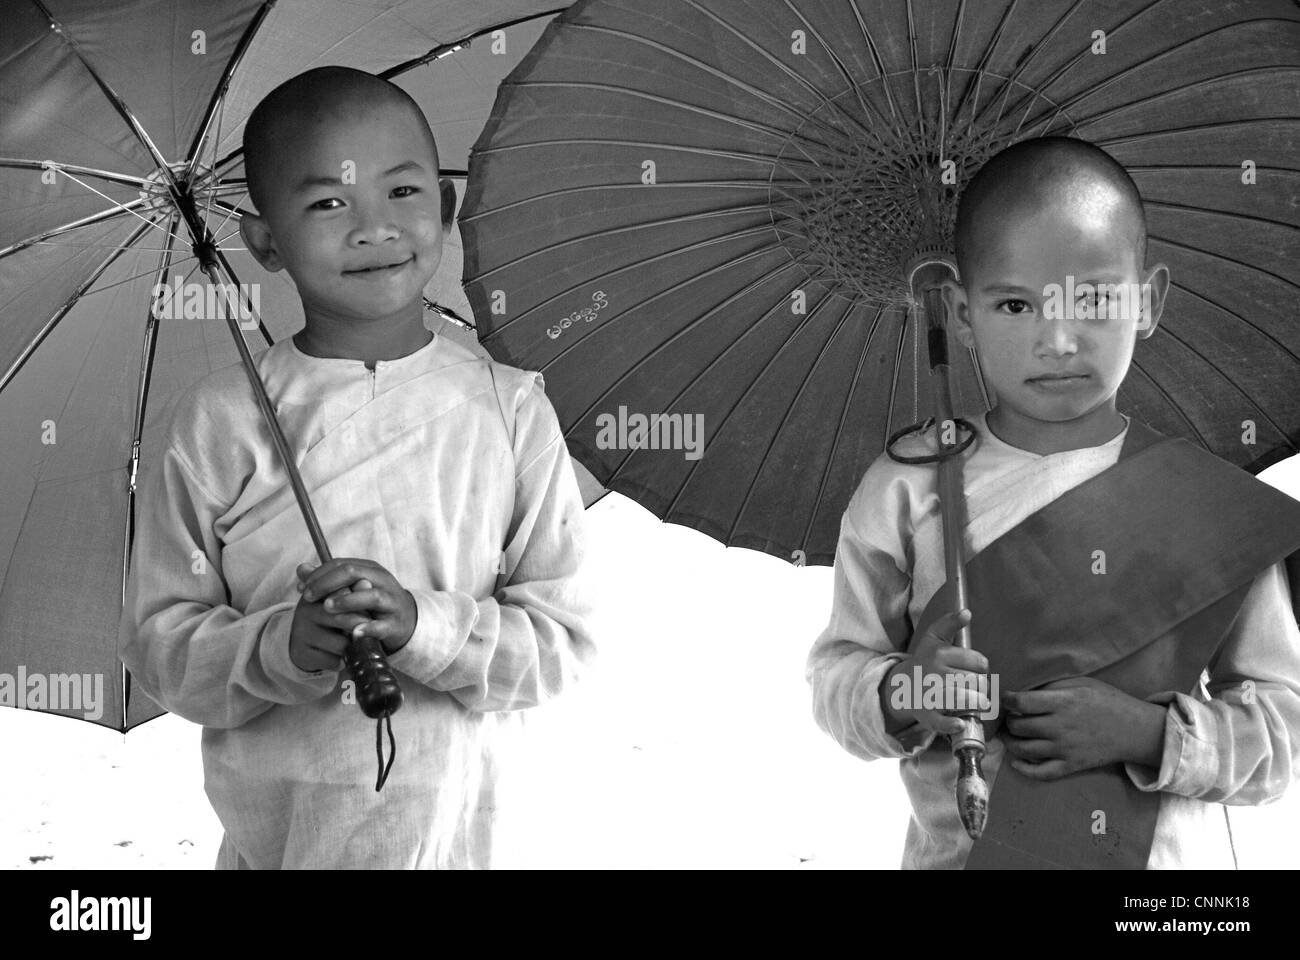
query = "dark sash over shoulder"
x=1182 y=535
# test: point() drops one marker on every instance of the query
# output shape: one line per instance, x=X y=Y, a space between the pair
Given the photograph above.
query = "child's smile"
x=356 y=215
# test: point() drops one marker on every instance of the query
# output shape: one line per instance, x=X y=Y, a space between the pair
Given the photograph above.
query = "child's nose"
x=373 y=224
x=1057 y=337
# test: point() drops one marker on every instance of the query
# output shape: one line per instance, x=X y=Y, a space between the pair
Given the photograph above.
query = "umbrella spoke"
x=640 y=264
x=61 y=312
x=714 y=214
x=794 y=402
x=1164 y=394
x=707 y=274
x=764 y=128
x=753 y=91
x=482 y=212
x=806 y=323
x=843 y=420
x=125 y=207
x=734 y=298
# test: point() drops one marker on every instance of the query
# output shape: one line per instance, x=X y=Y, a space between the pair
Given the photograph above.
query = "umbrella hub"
x=156 y=190
x=870 y=179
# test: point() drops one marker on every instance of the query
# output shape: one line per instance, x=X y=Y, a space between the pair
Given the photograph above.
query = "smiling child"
x=442 y=484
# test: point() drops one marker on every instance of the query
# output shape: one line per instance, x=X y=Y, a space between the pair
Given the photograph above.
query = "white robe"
x=1221 y=745
x=446 y=469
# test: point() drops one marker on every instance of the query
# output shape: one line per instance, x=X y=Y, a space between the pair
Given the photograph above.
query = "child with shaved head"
x=443 y=487
x=1127 y=591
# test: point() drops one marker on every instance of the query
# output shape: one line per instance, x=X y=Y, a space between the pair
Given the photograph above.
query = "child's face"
x=348 y=193
x=1045 y=369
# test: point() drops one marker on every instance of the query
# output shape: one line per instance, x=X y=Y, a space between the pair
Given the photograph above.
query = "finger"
x=1031 y=727
x=1048 y=770
x=1035 y=750
x=941 y=723
x=1029 y=702
x=335 y=575
x=956 y=659
x=302 y=571
x=949 y=625
x=376 y=601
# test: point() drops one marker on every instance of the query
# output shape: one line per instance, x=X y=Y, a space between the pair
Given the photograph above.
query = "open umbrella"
x=120 y=127
x=735 y=194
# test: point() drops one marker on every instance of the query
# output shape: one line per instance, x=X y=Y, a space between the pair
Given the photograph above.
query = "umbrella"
x=104 y=106
x=737 y=192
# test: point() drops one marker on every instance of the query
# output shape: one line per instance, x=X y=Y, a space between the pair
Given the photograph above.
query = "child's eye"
x=1018 y=303
x=317 y=204
x=411 y=189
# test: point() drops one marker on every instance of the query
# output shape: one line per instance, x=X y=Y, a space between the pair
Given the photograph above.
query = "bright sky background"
x=690 y=745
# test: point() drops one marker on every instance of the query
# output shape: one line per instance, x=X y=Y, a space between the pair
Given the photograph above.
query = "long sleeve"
x=869 y=629
x=1242 y=746
x=184 y=644
x=523 y=644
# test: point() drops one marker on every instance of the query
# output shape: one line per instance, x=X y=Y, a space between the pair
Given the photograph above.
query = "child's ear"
x=954 y=298
x=1153 y=303
x=257 y=238
x=447 y=190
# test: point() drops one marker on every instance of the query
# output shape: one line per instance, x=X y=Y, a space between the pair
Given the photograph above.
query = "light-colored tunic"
x=450 y=472
x=1224 y=743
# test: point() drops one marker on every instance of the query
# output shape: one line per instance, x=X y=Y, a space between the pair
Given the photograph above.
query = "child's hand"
x=350 y=586
x=935 y=653
x=318 y=638
x=1078 y=724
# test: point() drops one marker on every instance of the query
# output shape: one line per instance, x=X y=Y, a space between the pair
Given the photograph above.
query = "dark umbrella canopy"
x=95 y=98
x=707 y=208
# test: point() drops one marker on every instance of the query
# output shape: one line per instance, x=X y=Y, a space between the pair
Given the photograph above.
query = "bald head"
x=309 y=98
x=1041 y=173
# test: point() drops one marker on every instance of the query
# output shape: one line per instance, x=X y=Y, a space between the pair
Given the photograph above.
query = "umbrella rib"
x=980 y=68
x=61 y=312
x=1169 y=331
x=1169 y=400
x=760 y=158
x=790 y=338
x=1018 y=68
x=844 y=416
x=1179 y=91
x=1196 y=127
x=732 y=81
x=1120 y=75
x=127 y=207
x=1236 y=316
x=125 y=179
x=764 y=128
x=627 y=228
x=1228 y=214
x=789 y=410
x=102 y=217
x=730 y=264
x=879 y=63
x=676 y=251
x=1209 y=167
x=1065 y=67
x=222 y=88
x=703 y=318
x=571 y=191
x=1220 y=256
x=867 y=108
x=113 y=98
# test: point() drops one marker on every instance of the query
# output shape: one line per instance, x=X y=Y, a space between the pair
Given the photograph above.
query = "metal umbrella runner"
x=753 y=203
x=121 y=170
x=736 y=194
